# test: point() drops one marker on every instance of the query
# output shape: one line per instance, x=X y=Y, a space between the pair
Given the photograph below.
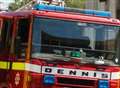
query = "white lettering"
x=75 y=72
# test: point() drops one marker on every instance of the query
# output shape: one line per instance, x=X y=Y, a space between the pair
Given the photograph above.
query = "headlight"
x=103 y=84
x=49 y=79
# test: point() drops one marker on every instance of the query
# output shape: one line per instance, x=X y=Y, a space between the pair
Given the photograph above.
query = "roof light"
x=103 y=84
x=49 y=79
x=67 y=9
x=48 y=7
x=98 y=13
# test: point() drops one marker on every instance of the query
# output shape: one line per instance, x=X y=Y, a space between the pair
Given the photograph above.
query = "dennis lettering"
x=75 y=72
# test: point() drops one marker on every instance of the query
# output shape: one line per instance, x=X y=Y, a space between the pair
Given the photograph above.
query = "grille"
x=76 y=83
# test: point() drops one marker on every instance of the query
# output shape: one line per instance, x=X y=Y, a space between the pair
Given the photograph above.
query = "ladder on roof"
x=28 y=6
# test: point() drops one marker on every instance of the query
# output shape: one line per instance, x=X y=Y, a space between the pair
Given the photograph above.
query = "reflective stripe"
x=33 y=67
x=26 y=66
x=115 y=75
x=4 y=65
x=18 y=66
x=22 y=66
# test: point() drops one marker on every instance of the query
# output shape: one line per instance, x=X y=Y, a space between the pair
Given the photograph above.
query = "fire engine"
x=58 y=47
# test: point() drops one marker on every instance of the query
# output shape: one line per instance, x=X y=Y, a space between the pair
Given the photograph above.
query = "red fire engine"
x=47 y=48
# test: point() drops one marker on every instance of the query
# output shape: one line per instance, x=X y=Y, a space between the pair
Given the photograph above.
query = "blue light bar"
x=49 y=79
x=48 y=7
x=98 y=13
x=103 y=84
x=67 y=9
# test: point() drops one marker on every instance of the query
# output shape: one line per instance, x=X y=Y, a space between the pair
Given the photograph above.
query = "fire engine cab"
x=58 y=47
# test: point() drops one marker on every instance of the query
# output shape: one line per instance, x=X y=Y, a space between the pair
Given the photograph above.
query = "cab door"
x=21 y=39
x=6 y=30
x=19 y=51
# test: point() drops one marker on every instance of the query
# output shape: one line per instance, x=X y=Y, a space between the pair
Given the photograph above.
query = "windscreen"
x=55 y=34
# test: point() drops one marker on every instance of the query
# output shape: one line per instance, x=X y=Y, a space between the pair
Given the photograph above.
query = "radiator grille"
x=76 y=83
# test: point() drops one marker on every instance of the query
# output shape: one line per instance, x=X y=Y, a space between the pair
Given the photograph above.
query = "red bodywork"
x=35 y=79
